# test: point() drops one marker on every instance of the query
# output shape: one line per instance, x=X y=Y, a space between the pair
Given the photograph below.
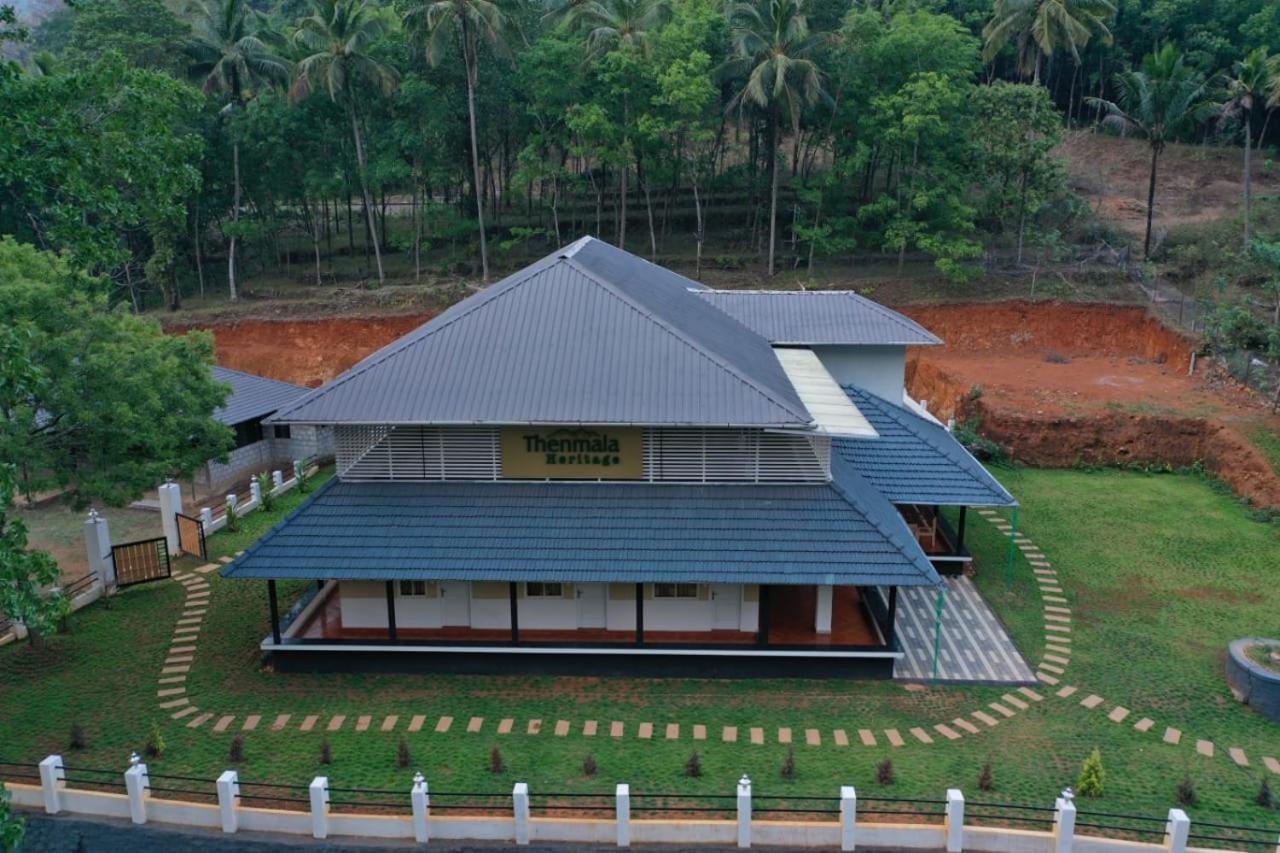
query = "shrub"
x=155 y=742
x=403 y=758
x=233 y=518
x=789 y=765
x=326 y=752
x=495 y=761
x=1265 y=798
x=1186 y=792
x=265 y=485
x=77 y=739
x=986 y=780
x=1091 y=775
x=589 y=765
x=236 y=753
x=304 y=478
x=884 y=772
x=693 y=767
x=12 y=827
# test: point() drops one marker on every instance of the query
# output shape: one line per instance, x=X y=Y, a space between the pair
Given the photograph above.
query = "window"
x=544 y=590
x=248 y=432
x=282 y=431
x=675 y=590
x=413 y=587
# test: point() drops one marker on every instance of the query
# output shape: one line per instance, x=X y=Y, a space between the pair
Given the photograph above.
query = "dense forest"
x=182 y=151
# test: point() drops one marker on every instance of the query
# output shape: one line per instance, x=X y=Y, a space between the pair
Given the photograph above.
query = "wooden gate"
x=191 y=536
x=141 y=561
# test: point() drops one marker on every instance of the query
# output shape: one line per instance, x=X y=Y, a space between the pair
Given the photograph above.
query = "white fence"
x=321 y=814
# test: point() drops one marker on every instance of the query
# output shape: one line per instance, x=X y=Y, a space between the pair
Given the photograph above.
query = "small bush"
x=495 y=761
x=155 y=742
x=884 y=772
x=77 y=739
x=236 y=753
x=326 y=752
x=233 y=519
x=589 y=765
x=1186 y=792
x=265 y=485
x=693 y=767
x=1091 y=775
x=986 y=779
x=1265 y=798
x=789 y=765
x=403 y=757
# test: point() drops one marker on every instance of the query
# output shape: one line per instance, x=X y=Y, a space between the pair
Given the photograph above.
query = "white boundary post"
x=1176 y=831
x=255 y=492
x=277 y=481
x=744 y=811
x=206 y=519
x=623 y=796
x=136 y=784
x=419 y=797
x=233 y=502
x=955 y=820
x=1064 y=823
x=229 y=800
x=320 y=807
x=848 y=817
x=170 y=494
x=520 y=809
x=97 y=545
x=52 y=780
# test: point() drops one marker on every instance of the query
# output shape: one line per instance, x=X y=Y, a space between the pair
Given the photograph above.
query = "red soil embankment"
x=308 y=352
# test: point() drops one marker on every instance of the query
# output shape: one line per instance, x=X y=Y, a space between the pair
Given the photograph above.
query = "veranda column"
x=275 y=612
x=822 y=610
x=391 y=611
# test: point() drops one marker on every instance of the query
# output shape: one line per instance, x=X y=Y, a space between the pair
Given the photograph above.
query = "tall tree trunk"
x=1248 y=176
x=698 y=234
x=623 y=175
x=469 y=49
x=773 y=184
x=417 y=226
x=196 y=239
x=1151 y=201
x=235 y=219
x=364 y=190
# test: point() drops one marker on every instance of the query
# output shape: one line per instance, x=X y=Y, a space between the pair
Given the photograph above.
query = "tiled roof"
x=916 y=461
x=252 y=396
x=816 y=317
x=843 y=533
x=589 y=334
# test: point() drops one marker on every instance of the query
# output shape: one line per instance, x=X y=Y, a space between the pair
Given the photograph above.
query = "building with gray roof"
x=597 y=459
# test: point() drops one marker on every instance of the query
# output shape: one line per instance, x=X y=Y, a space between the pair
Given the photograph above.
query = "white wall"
x=879 y=369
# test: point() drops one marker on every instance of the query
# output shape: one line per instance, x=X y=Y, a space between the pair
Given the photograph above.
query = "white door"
x=591 y=605
x=455 y=603
x=726 y=606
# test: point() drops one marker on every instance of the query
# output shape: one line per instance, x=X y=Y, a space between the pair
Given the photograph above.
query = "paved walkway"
x=974 y=647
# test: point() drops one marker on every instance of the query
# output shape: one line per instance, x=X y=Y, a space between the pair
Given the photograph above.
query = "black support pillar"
x=513 y=593
x=891 y=617
x=639 y=614
x=391 y=611
x=960 y=530
x=762 y=619
x=275 y=612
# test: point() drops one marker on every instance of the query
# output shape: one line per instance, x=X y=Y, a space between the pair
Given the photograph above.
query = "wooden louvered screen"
x=670 y=455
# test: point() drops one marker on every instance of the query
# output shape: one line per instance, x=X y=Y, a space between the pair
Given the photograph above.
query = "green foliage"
x=403 y=757
x=589 y=767
x=496 y=764
x=1234 y=326
x=155 y=745
x=1091 y=775
x=1185 y=793
x=12 y=827
x=25 y=576
x=233 y=518
x=265 y=488
x=789 y=764
x=1265 y=798
x=144 y=32
x=986 y=778
x=235 y=750
x=97 y=402
x=885 y=775
x=77 y=739
x=693 y=766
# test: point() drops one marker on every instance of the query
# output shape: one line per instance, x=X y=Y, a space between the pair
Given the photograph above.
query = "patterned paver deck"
x=975 y=647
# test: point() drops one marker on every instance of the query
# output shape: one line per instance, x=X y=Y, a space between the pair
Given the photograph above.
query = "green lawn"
x=1161 y=570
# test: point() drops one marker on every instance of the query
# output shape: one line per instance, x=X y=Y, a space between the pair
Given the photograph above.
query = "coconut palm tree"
x=1041 y=28
x=1248 y=85
x=231 y=54
x=1159 y=100
x=773 y=46
x=611 y=23
x=474 y=21
x=338 y=33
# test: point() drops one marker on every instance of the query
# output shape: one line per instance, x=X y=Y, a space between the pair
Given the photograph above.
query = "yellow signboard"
x=572 y=453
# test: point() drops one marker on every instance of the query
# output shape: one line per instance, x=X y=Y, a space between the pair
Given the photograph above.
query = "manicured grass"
x=1161 y=571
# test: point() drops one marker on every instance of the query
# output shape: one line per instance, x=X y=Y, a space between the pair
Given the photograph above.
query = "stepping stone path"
x=840 y=737
x=363 y=723
x=784 y=735
x=505 y=726
x=589 y=728
x=757 y=736
x=335 y=723
x=534 y=727
x=616 y=729
x=645 y=732
x=812 y=737
x=416 y=724
x=390 y=723
x=673 y=731
x=895 y=739
x=443 y=725
x=562 y=728
x=730 y=734
x=473 y=725
x=699 y=732
x=867 y=738
x=224 y=723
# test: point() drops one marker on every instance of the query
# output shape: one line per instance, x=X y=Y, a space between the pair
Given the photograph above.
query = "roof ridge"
x=919 y=559
x=888 y=313
x=259 y=377
x=483 y=298
x=907 y=420
x=724 y=365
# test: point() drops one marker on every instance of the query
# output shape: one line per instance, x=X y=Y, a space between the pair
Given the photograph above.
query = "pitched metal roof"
x=843 y=533
x=815 y=317
x=915 y=461
x=252 y=396
x=589 y=334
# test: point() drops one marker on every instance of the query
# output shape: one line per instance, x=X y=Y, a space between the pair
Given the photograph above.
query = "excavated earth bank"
x=1058 y=384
